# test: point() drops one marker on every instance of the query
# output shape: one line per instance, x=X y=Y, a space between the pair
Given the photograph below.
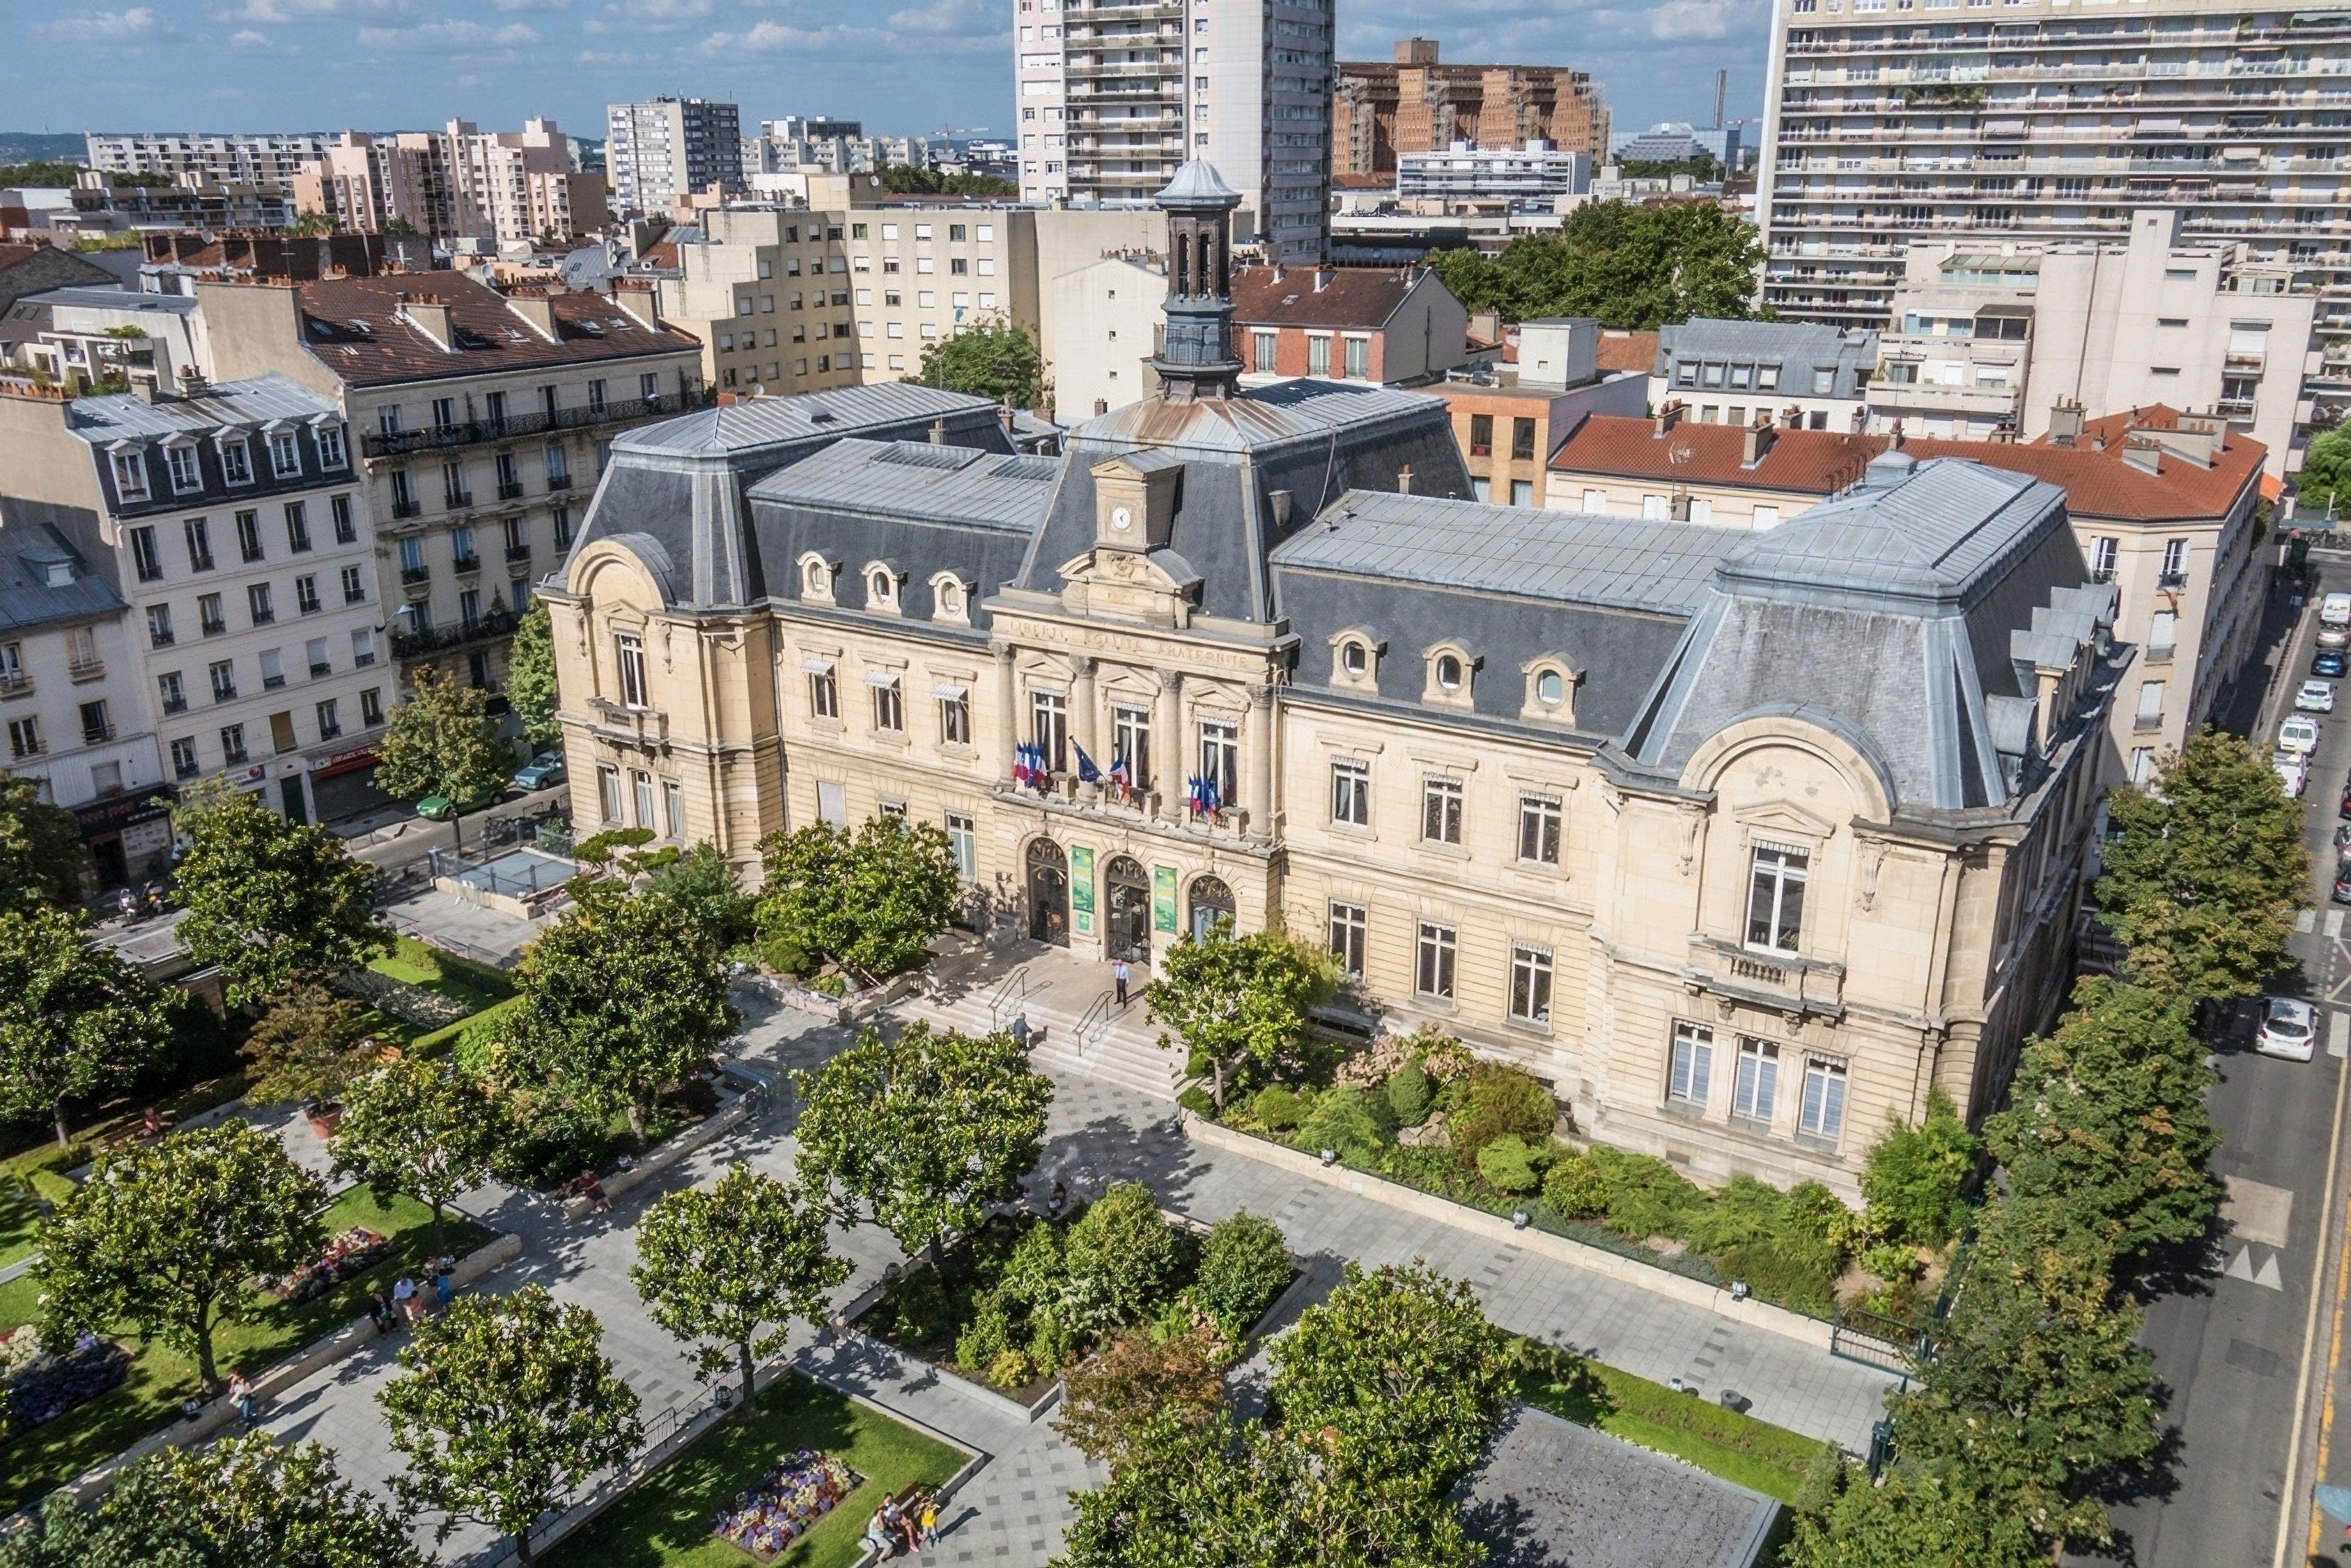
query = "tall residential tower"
x=668 y=147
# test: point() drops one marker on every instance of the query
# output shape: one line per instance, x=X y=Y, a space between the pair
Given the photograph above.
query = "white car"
x=2298 y=735
x=2289 y=1028
x=2293 y=771
x=2315 y=697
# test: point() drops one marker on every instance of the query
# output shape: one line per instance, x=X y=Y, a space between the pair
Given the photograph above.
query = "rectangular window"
x=1348 y=928
x=306 y=595
x=354 y=585
x=24 y=737
x=257 y=604
x=331 y=723
x=273 y=669
x=1539 y=826
x=1530 y=984
x=444 y=413
x=297 y=527
x=2102 y=554
x=673 y=808
x=130 y=478
x=183 y=760
x=1130 y=743
x=954 y=715
x=2150 y=705
x=330 y=445
x=237 y=460
x=454 y=492
x=1220 y=761
x=1048 y=728
x=187 y=474
x=1350 y=791
x=314 y=653
x=1359 y=358
x=232 y=739
x=1263 y=351
x=1481 y=435
x=559 y=469
x=144 y=555
x=1775 y=897
x=199 y=544
x=1440 y=810
x=631 y=651
x=1522 y=439
x=371 y=699
x=824 y=693
x=285 y=457
x=2174 y=563
x=96 y=729
x=1757 y=1088
x=889 y=706
x=640 y=790
x=1691 y=1076
x=339 y=509
x=174 y=695
x=608 y=791
x=249 y=536
x=1317 y=354
x=1433 y=975
x=963 y=840
x=1821 y=1113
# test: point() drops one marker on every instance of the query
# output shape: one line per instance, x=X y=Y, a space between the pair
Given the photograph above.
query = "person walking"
x=1119 y=976
x=1020 y=1030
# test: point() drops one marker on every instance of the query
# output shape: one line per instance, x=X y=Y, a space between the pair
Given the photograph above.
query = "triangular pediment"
x=1786 y=816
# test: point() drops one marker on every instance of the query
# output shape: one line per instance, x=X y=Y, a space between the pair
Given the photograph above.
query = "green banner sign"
x=1163 y=898
x=1082 y=889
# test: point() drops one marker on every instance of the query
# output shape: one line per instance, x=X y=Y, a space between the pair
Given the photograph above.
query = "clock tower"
x=1135 y=495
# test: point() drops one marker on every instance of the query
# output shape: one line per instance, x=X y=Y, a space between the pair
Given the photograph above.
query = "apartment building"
x=481 y=423
x=1536 y=787
x=1729 y=372
x=1535 y=175
x=80 y=337
x=1991 y=340
x=1413 y=104
x=268 y=160
x=665 y=148
x=2161 y=505
x=232 y=520
x=70 y=695
x=1114 y=97
x=1508 y=418
x=1397 y=326
x=2047 y=121
x=458 y=183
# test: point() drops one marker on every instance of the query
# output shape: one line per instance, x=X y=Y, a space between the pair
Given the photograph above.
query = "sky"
x=899 y=66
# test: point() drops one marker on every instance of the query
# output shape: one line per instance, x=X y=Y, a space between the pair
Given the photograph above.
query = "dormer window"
x=237 y=460
x=882 y=588
x=330 y=447
x=1551 y=692
x=130 y=474
x=950 y=599
x=1354 y=657
x=187 y=472
x=1451 y=671
x=285 y=456
x=816 y=578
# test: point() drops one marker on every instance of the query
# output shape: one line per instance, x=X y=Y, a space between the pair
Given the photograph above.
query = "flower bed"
x=770 y=1515
x=41 y=1385
x=355 y=1252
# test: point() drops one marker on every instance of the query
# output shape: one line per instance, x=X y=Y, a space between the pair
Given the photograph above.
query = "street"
x=2234 y=1345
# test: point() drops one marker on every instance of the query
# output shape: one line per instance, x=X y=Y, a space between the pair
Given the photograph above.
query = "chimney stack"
x=2065 y=422
x=938 y=432
x=1403 y=479
x=1756 y=440
x=1668 y=416
x=1893 y=437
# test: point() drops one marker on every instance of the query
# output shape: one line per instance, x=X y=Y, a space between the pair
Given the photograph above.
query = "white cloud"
x=951 y=18
x=648 y=15
x=251 y=41
x=102 y=26
x=530 y=5
x=283 y=11
x=1699 y=18
x=775 y=37
x=447 y=35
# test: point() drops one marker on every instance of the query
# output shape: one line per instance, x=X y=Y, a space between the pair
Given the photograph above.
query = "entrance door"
x=113 y=871
x=1129 y=897
x=1048 y=893
x=1211 y=900
x=297 y=810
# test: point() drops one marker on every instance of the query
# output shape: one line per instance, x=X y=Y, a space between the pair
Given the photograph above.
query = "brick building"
x=1413 y=104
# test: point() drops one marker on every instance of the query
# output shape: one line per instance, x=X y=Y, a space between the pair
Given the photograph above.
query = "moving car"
x=2315 y=697
x=545 y=770
x=2299 y=734
x=2289 y=1028
x=2330 y=662
x=2334 y=609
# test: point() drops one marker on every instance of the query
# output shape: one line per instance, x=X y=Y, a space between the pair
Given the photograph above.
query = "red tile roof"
x=1362 y=298
x=1627 y=351
x=354 y=326
x=2097 y=479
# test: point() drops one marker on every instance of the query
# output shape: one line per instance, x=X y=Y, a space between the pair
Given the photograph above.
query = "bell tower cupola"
x=1197 y=361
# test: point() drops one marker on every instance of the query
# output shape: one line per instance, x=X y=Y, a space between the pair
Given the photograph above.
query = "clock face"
x=1121 y=517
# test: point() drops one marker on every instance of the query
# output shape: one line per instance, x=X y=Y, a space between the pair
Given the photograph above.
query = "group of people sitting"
x=909 y=1522
x=410 y=1301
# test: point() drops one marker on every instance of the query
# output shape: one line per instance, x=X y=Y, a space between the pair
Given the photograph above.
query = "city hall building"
x=1741 y=840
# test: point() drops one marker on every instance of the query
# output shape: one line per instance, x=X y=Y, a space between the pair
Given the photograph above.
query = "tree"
x=1396 y=1376
x=2107 y=1119
x=1637 y=267
x=1914 y=1175
x=621 y=1000
x=993 y=358
x=440 y=742
x=40 y=847
x=2039 y=1397
x=923 y=1129
x=2204 y=871
x=1189 y=1492
x=732 y=1266
x=704 y=885
x=871 y=902
x=314 y=223
x=1238 y=999
x=242 y=1502
x=913 y=179
x=306 y=1047
x=170 y=1235
x=1111 y=1400
x=1916 y=1520
x=423 y=1128
x=530 y=677
x=506 y=1403
x=2324 y=484
x=75 y=1021
x=267 y=899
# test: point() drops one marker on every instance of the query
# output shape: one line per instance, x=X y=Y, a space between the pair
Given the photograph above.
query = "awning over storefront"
x=127 y=810
x=337 y=763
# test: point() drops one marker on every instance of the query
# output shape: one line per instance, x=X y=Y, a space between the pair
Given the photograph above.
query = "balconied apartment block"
x=267 y=160
x=481 y=421
x=2043 y=120
x=455 y=182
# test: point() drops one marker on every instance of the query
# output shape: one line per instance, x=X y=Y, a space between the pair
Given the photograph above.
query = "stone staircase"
x=1084 y=1035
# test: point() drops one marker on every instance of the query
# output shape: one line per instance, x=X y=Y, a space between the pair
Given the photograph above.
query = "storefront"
x=342 y=783
x=128 y=836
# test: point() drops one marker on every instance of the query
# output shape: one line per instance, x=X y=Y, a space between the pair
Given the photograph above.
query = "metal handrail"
x=1094 y=1025
x=1015 y=986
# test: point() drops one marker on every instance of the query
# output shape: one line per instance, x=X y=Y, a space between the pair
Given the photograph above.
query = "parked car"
x=2298 y=734
x=2330 y=662
x=543 y=771
x=2343 y=840
x=2293 y=771
x=2289 y=1028
x=2345 y=810
x=2315 y=697
x=2343 y=880
x=2334 y=609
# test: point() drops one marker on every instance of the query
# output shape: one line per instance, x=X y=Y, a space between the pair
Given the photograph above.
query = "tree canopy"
x=869 y=901
x=2324 y=484
x=442 y=742
x=503 y=1404
x=1631 y=266
x=40 y=847
x=1918 y=1519
x=911 y=179
x=75 y=1021
x=1238 y=999
x=306 y=1047
x=921 y=1131
x=731 y=1266
x=267 y=899
x=990 y=358
x=2204 y=871
x=530 y=677
x=170 y=1235
x=420 y=1127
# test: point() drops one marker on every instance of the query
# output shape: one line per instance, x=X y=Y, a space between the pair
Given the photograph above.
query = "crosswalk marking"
x=2306 y=922
x=2334 y=924
x=2338 y=1033
x=2266 y=1276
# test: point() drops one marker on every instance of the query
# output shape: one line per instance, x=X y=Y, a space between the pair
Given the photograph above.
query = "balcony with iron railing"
x=466 y=563
x=91 y=669
x=509 y=489
x=518 y=552
x=514 y=427
x=415 y=576
x=419 y=642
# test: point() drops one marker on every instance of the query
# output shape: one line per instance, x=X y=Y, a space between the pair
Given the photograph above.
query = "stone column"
x=1172 y=762
x=1082 y=711
x=1257 y=761
x=1007 y=719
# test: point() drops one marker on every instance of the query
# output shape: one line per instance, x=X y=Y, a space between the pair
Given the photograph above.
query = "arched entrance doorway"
x=1211 y=900
x=1127 y=899
x=1048 y=893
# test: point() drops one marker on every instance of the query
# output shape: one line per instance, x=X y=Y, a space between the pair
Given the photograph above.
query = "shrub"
x=1033 y=1275
x=1198 y=1064
x=1409 y=1093
x=1573 y=1189
x=545 y=1139
x=1646 y=1196
x=1199 y=1101
x=1121 y=1258
x=1244 y=1265
x=985 y=1339
x=920 y=1307
x=1351 y=1121
x=1914 y=1175
x=1052 y=1340
x=1814 y=1210
x=1499 y=1101
x=1010 y=1370
x=1895 y=1263
x=1744 y=1212
x=784 y=954
x=1508 y=1164
x=1824 y=1479
x=1792 y=1270
x=1277 y=1108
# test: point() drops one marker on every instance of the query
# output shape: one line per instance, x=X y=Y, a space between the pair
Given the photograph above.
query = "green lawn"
x=473 y=986
x=19 y=1215
x=160 y=1377
x=1736 y=1448
x=667 y=1517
